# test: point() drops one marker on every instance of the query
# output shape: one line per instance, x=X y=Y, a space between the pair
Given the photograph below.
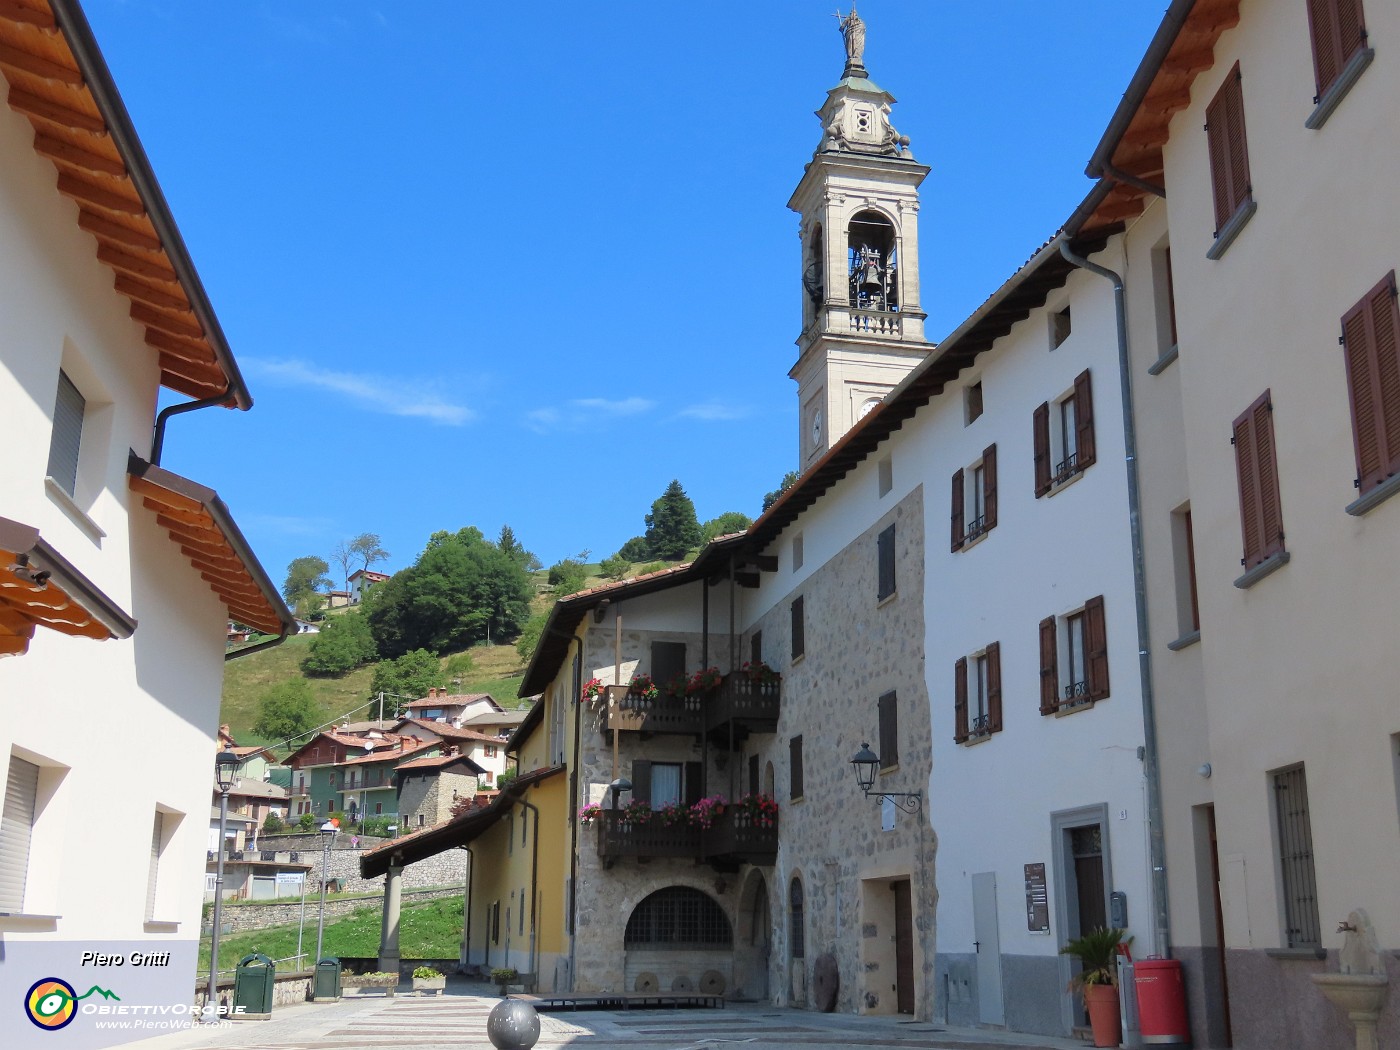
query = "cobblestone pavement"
x=458 y=1021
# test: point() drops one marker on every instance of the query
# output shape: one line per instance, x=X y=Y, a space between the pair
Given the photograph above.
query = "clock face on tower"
x=817 y=428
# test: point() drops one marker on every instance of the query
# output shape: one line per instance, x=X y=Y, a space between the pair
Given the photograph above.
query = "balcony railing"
x=875 y=322
x=737 y=837
x=748 y=704
x=619 y=837
x=630 y=712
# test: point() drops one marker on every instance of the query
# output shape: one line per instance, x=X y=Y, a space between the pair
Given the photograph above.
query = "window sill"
x=1060 y=486
x=1185 y=641
x=1332 y=97
x=797 y=659
x=19 y=922
x=795 y=801
x=1159 y=366
x=1226 y=235
x=76 y=514
x=1382 y=492
x=161 y=926
x=973 y=739
x=889 y=769
x=1296 y=954
x=1073 y=709
x=1271 y=564
x=886 y=600
x=971 y=541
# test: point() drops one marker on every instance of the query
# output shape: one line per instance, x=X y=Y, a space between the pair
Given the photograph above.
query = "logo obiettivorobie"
x=51 y=1003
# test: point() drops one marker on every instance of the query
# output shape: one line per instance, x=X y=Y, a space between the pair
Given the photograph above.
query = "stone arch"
x=753 y=944
x=674 y=934
x=872 y=249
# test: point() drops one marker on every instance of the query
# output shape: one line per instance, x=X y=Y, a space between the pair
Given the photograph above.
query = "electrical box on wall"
x=1118 y=909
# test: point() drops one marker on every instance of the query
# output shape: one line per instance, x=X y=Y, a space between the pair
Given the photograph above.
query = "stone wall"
x=238 y=917
x=287 y=989
x=425 y=800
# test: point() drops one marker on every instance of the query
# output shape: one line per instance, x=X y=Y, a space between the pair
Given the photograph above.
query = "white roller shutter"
x=16 y=829
x=69 y=409
x=156 y=835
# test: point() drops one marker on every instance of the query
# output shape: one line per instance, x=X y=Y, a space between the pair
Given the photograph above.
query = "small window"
x=1371 y=337
x=1064 y=436
x=1059 y=327
x=422 y=820
x=974 y=499
x=799 y=629
x=1188 y=615
x=886 y=476
x=795 y=766
x=667 y=662
x=521 y=927
x=1302 y=926
x=1256 y=464
x=1229 y=161
x=1076 y=674
x=884 y=547
x=972 y=401
x=378 y=808
x=796 y=925
x=1074 y=659
x=1164 y=298
x=889 y=730
x=797 y=552
x=1338 y=30
x=16 y=832
x=66 y=442
x=977 y=704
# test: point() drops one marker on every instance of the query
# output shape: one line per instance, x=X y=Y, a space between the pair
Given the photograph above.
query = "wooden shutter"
x=1096 y=648
x=1084 y=421
x=799 y=643
x=795 y=766
x=1040 y=424
x=16 y=830
x=1369 y=333
x=1229 y=159
x=994 y=687
x=956 y=516
x=885 y=559
x=154 y=869
x=1049 y=668
x=641 y=780
x=67 y=439
x=667 y=662
x=889 y=730
x=960 y=701
x=1261 y=520
x=694 y=786
x=1338 y=32
x=989 y=492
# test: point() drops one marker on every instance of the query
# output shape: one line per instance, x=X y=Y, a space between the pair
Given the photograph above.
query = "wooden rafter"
x=166 y=321
x=106 y=229
x=68 y=155
x=14 y=11
x=25 y=62
x=52 y=113
x=86 y=193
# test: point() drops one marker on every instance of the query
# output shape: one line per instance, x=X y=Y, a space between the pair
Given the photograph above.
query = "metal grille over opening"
x=678 y=917
x=1295 y=848
x=796 y=940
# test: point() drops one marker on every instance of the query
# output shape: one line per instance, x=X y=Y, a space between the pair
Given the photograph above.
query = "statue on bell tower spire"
x=853 y=30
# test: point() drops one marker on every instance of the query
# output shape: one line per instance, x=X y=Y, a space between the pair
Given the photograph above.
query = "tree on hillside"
x=366 y=547
x=672 y=528
x=728 y=522
x=789 y=479
x=344 y=557
x=635 y=549
x=344 y=644
x=306 y=579
x=286 y=710
x=568 y=576
x=615 y=568
x=461 y=589
x=412 y=674
x=514 y=549
x=530 y=635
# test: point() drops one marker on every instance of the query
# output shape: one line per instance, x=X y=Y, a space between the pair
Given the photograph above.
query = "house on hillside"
x=429 y=787
x=487 y=751
x=317 y=785
x=453 y=708
x=361 y=580
x=120 y=576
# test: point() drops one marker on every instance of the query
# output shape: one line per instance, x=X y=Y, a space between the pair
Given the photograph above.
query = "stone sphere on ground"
x=513 y=1025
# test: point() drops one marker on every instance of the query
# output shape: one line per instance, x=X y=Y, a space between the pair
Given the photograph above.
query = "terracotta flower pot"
x=1101 y=1000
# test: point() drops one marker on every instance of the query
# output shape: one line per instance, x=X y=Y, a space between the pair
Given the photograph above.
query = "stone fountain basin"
x=1353 y=992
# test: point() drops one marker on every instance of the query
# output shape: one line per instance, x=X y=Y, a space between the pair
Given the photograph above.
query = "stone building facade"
x=426 y=796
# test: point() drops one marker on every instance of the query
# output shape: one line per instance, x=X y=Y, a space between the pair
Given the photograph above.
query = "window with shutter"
x=1040 y=426
x=960 y=727
x=1229 y=158
x=885 y=563
x=799 y=645
x=993 y=661
x=1338 y=30
x=641 y=781
x=1085 y=449
x=1049 y=667
x=667 y=662
x=1261 y=519
x=1096 y=648
x=66 y=441
x=157 y=834
x=989 y=488
x=16 y=831
x=889 y=730
x=795 y=766
x=958 y=534
x=1369 y=335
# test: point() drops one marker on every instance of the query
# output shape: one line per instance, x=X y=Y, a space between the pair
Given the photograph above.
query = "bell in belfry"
x=870 y=278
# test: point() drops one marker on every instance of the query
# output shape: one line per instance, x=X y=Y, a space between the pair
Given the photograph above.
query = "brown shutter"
x=889 y=729
x=994 y=687
x=1261 y=519
x=795 y=766
x=1084 y=421
x=1096 y=648
x=956 y=515
x=960 y=701
x=1322 y=22
x=1239 y=156
x=1229 y=159
x=1369 y=332
x=1040 y=424
x=694 y=783
x=641 y=780
x=1049 y=668
x=989 y=481
x=799 y=642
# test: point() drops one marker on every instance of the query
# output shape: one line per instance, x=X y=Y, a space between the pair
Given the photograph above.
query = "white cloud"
x=393 y=397
x=628 y=406
x=584 y=412
x=542 y=420
x=713 y=411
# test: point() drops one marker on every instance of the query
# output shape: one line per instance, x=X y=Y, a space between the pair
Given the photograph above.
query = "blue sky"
x=526 y=263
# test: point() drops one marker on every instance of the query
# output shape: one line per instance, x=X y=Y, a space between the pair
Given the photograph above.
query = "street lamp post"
x=225 y=770
x=865 y=762
x=328 y=831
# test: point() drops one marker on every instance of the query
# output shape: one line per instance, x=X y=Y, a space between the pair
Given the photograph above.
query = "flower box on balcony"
x=743 y=833
x=619 y=836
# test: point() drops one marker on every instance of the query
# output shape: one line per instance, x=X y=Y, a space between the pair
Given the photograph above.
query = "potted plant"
x=503 y=977
x=594 y=688
x=377 y=979
x=426 y=979
x=704 y=813
x=761 y=810
x=638 y=811
x=704 y=681
x=643 y=688
x=1097 y=979
x=589 y=813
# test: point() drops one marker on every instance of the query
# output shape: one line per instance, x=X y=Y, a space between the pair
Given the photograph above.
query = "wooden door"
x=903 y=947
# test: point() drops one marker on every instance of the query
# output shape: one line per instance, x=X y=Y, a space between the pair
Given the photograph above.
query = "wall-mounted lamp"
x=866 y=763
x=1204 y=770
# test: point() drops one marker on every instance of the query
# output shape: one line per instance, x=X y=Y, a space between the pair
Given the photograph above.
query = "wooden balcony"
x=628 y=712
x=619 y=837
x=742 y=706
x=738 y=838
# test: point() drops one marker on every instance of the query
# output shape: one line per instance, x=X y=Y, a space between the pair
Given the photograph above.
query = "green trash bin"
x=253 y=981
x=327 y=983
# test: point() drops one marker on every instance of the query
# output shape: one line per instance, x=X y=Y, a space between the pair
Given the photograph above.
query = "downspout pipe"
x=1157 y=853
x=467 y=909
x=158 y=438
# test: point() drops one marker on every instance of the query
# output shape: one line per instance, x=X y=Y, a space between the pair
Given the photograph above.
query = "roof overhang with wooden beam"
x=201 y=526
x=40 y=588
x=58 y=80
x=1131 y=147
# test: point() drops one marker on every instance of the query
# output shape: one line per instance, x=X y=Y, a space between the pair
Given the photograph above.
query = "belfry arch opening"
x=872 y=263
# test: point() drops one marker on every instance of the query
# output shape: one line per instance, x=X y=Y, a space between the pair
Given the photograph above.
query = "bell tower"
x=862 y=325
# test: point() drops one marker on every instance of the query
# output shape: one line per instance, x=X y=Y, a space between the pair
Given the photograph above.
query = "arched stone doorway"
x=678 y=939
x=754 y=948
